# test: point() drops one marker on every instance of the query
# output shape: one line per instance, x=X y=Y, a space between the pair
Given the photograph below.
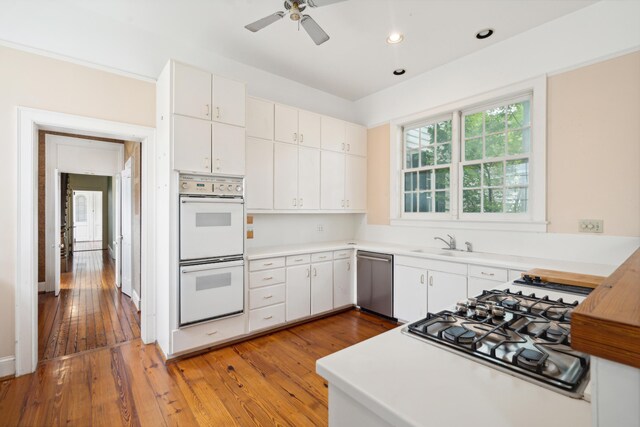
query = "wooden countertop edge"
x=607 y=323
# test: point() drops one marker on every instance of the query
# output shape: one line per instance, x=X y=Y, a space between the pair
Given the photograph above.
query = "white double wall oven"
x=211 y=248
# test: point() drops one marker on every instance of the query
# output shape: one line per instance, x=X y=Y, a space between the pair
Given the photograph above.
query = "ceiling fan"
x=295 y=9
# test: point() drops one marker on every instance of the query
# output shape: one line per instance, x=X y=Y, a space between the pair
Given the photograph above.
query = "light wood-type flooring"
x=90 y=311
x=92 y=245
x=266 y=381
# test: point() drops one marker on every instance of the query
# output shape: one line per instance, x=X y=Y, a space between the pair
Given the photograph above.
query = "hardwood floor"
x=90 y=311
x=94 y=245
x=266 y=381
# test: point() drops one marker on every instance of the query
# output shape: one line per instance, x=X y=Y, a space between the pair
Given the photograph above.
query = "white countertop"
x=495 y=260
x=409 y=382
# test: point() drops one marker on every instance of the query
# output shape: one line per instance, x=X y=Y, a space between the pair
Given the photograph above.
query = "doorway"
x=86 y=220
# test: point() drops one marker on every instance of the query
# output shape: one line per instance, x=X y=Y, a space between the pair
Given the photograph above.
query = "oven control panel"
x=211 y=185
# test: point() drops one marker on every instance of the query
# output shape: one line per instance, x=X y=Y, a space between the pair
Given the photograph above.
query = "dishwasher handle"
x=373 y=258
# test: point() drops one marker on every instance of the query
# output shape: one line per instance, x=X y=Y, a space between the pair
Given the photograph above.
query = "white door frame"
x=30 y=121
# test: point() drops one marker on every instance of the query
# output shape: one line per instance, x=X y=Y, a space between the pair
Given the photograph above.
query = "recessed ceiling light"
x=395 y=38
x=483 y=34
x=399 y=71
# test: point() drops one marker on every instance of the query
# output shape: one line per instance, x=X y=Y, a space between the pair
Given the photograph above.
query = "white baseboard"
x=42 y=286
x=7 y=366
x=111 y=253
x=136 y=299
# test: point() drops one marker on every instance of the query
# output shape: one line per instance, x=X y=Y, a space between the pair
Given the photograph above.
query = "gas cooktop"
x=524 y=335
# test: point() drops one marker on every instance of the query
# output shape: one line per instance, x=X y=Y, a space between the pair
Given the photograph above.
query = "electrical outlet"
x=320 y=228
x=590 y=226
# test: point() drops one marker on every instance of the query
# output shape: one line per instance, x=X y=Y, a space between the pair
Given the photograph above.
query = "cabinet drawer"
x=342 y=254
x=491 y=273
x=264 y=264
x=266 y=317
x=268 y=295
x=198 y=336
x=321 y=256
x=258 y=279
x=475 y=286
x=298 y=259
x=515 y=274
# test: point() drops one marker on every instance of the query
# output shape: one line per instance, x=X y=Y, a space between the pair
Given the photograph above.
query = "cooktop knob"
x=185 y=185
x=230 y=187
x=221 y=187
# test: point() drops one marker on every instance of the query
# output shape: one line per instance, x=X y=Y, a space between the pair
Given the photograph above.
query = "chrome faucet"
x=451 y=243
x=469 y=246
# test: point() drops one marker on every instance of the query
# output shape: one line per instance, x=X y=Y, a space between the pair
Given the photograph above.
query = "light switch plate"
x=590 y=226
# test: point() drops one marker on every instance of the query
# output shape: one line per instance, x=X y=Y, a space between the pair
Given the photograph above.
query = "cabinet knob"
x=348 y=265
x=431 y=281
x=301 y=202
x=208 y=110
x=295 y=136
x=422 y=279
x=217 y=112
x=295 y=202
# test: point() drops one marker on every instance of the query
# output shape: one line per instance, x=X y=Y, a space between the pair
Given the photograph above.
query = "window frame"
x=534 y=220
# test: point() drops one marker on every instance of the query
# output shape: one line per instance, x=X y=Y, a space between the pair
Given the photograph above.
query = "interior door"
x=81 y=217
x=117 y=243
x=57 y=224
x=96 y=214
x=126 y=226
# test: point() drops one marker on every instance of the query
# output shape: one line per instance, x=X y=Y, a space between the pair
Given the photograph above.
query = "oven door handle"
x=237 y=200
x=210 y=267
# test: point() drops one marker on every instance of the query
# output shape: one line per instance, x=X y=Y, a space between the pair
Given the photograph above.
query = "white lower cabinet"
x=409 y=293
x=477 y=285
x=298 y=285
x=343 y=289
x=321 y=287
x=266 y=317
x=207 y=334
x=445 y=289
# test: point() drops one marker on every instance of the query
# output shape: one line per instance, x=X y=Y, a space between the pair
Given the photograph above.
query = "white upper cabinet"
x=308 y=178
x=259 y=118
x=191 y=91
x=356 y=139
x=229 y=101
x=285 y=176
x=355 y=191
x=228 y=149
x=332 y=134
x=191 y=144
x=309 y=129
x=259 y=174
x=332 y=180
x=286 y=124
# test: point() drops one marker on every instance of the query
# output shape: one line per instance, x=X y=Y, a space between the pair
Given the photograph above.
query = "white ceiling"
x=355 y=62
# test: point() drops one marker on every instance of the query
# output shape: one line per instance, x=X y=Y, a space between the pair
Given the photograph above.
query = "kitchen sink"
x=458 y=254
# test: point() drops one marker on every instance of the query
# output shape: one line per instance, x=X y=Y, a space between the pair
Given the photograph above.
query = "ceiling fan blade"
x=261 y=23
x=312 y=28
x=318 y=3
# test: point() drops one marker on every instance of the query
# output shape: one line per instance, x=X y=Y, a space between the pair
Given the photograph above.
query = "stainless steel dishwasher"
x=375 y=282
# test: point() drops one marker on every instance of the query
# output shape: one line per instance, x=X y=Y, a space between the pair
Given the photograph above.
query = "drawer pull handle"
x=212 y=333
x=266 y=264
x=268 y=296
x=268 y=317
x=422 y=279
x=487 y=274
x=322 y=257
x=299 y=259
x=268 y=278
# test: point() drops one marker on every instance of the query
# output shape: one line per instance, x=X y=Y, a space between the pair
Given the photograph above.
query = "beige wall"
x=593 y=150
x=35 y=81
x=378 y=175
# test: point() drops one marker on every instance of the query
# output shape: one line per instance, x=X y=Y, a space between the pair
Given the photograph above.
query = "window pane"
x=407 y=202
x=495 y=145
x=427 y=135
x=442 y=201
x=517 y=172
x=427 y=156
x=444 y=132
x=442 y=179
x=473 y=125
x=519 y=141
x=415 y=160
x=473 y=149
x=518 y=115
x=493 y=174
x=424 y=180
x=425 y=202
x=495 y=120
x=444 y=154
x=471 y=176
x=492 y=200
x=471 y=200
x=410 y=181
x=515 y=200
x=412 y=139
x=414 y=202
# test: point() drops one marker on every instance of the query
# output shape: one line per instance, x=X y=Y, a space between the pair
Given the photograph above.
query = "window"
x=81 y=209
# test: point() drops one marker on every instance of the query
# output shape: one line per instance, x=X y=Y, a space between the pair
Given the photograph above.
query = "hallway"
x=90 y=311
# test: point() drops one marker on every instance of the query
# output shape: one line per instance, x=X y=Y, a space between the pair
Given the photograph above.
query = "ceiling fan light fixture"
x=395 y=38
x=484 y=34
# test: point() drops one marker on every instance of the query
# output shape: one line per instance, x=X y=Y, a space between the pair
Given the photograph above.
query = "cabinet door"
x=191 y=91
x=355 y=182
x=356 y=139
x=409 y=293
x=332 y=180
x=445 y=289
x=229 y=101
x=259 y=174
x=259 y=118
x=191 y=144
x=228 y=149
x=342 y=283
x=308 y=178
x=285 y=176
x=309 y=129
x=298 y=302
x=321 y=287
x=332 y=134
x=286 y=124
